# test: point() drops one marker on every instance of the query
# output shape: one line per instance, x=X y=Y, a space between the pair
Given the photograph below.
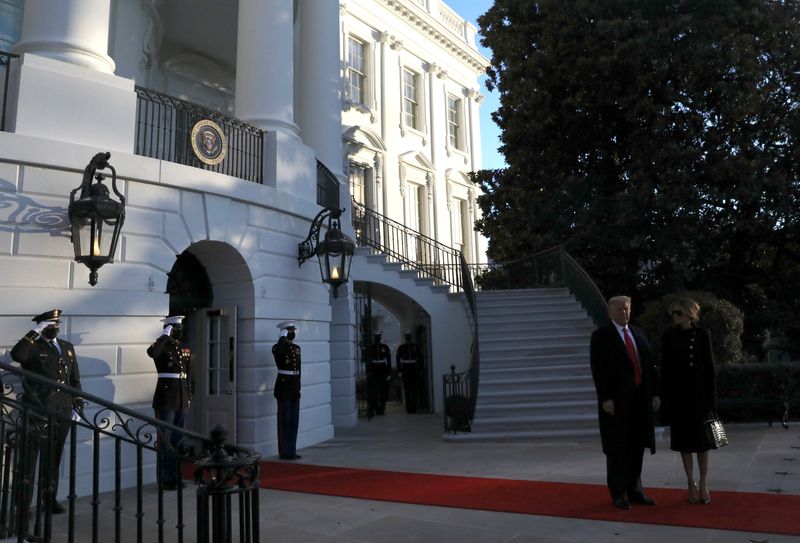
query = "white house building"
x=379 y=95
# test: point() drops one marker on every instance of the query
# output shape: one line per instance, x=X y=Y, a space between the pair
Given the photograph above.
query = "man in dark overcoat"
x=627 y=397
x=409 y=367
x=42 y=352
x=287 y=390
x=172 y=396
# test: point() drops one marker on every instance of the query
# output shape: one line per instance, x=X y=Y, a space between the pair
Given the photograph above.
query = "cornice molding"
x=436 y=30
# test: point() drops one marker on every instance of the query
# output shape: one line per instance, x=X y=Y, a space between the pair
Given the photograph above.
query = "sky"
x=490 y=133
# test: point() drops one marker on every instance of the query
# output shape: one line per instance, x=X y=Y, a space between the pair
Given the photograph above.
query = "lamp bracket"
x=307 y=248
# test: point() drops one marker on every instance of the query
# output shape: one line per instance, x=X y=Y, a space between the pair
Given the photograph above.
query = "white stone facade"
x=72 y=94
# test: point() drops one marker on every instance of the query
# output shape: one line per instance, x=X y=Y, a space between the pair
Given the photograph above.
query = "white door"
x=215 y=387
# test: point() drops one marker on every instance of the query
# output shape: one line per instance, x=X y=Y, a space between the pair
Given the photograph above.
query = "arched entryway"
x=380 y=307
x=210 y=283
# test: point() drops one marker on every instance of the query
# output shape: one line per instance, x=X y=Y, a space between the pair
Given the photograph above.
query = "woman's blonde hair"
x=688 y=306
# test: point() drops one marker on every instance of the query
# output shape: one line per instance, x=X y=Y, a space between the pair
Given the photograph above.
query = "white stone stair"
x=535 y=380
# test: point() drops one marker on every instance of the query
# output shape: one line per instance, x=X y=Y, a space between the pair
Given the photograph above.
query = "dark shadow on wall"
x=24 y=214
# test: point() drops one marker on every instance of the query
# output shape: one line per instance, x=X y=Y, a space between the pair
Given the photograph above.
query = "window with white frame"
x=454 y=121
x=457 y=214
x=357 y=70
x=358 y=189
x=411 y=98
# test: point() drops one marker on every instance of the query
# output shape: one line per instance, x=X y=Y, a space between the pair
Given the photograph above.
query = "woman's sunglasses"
x=676 y=313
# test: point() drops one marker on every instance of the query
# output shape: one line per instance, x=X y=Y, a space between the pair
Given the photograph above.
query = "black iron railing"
x=408 y=247
x=164 y=130
x=6 y=60
x=112 y=443
x=459 y=400
x=550 y=268
x=327 y=187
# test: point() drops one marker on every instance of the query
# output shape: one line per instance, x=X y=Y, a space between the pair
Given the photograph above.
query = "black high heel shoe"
x=694 y=489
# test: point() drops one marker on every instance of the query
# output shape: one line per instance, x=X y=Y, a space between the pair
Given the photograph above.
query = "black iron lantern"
x=96 y=218
x=335 y=251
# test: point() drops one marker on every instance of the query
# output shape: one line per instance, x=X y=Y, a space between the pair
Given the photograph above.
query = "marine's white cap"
x=285 y=325
x=175 y=319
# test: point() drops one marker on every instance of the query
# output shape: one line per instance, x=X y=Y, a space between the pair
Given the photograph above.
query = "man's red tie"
x=637 y=371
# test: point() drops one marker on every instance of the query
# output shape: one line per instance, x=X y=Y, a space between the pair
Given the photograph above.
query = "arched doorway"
x=379 y=307
x=211 y=285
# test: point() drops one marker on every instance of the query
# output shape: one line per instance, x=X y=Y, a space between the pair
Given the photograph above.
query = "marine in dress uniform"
x=409 y=366
x=287 y=390
x=172 y=396
x=379 y=376
x=41 y=351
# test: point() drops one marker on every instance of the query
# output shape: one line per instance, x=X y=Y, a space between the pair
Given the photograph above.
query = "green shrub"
x=721 y=317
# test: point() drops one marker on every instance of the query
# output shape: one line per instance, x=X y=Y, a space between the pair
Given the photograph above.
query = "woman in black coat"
x=689 y=391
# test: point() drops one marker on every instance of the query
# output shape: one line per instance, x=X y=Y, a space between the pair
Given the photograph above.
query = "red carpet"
x=743 y=511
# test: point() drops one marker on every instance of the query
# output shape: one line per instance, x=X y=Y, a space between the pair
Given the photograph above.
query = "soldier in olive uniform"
x=172 y=395
x=40 y=351
x=287 y=390
x=409 y=366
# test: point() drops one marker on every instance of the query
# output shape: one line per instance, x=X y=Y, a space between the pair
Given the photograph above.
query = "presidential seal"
x=208 y=142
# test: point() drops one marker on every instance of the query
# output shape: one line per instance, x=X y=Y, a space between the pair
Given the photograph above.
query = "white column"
x=265 y=65
x=319 y=108
x=74 y=31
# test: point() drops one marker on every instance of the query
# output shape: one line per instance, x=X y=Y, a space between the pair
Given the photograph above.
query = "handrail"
x=28 y=430
x=408 y=247
x=5 y=64
x=552 y=268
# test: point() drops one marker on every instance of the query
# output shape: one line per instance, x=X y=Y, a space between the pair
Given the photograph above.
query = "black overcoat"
x=689 y=385
x=37 y=355
x=613 y=375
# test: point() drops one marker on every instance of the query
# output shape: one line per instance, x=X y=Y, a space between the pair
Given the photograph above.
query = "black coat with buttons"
x=688 y=376
x=171 y=356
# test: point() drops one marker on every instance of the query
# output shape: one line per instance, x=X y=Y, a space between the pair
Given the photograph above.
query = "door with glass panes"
x=215 y=386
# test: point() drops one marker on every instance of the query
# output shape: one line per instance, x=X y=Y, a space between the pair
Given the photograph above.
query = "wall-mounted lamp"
x=93 y=214
x=335 y=251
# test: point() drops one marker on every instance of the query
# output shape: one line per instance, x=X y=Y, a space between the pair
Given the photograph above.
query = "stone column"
x=74 y=31
x=265 y=65
x=319 y=107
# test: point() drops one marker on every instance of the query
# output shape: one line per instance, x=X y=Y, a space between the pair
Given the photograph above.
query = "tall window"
x=357 y=71
x=357 y=183
x=454 y=121
x=413 y=220
x=410 y=98
x=458 y=225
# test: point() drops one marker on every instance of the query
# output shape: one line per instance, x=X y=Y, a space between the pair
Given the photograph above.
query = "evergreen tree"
x=657 y=140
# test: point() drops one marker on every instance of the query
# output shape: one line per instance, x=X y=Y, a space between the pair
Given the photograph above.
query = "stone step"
x=538 y=325
x=530 y=350
x=504 y=361
x=522 y=423
x=559 y=435
x=523 y=372
x=537 y=408
x=519 y=341
x=561 y=394
x=484 y=295
x=523 y=311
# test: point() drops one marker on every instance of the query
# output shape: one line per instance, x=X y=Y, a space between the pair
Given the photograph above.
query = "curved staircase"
x=535 y=380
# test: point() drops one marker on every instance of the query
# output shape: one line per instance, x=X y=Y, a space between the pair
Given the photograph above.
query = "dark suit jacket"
x=613 y=375
x=35 y=354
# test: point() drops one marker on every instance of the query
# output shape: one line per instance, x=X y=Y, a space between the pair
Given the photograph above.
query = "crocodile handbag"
x=716 y=432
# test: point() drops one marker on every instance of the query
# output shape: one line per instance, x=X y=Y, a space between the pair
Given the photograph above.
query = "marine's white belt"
x=172 y=376
x=288 y=372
